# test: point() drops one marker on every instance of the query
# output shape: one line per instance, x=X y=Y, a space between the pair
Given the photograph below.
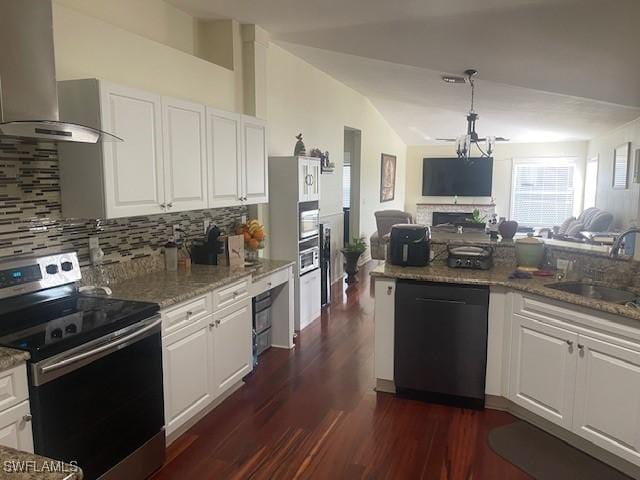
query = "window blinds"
x=542 y=191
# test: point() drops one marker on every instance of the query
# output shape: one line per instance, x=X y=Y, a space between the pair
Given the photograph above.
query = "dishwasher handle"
x=441 y=300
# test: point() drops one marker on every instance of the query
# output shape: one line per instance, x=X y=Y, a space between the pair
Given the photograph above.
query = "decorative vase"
x=529 y=253
x=351 y=265
x=508 y=229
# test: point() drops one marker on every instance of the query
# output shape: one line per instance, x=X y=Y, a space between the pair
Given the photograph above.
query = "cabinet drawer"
x=227 y=296
x=13 y=386
x=178 y=317
x=270 y=281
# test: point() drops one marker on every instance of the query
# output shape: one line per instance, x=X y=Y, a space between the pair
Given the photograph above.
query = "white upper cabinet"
x=133 y=173
x=175 y=155
x=308 y=179
x=255 y=164
x=224 y=148
x=185 y=157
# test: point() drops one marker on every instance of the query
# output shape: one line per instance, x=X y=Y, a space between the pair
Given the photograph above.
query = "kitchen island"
x=567 y=363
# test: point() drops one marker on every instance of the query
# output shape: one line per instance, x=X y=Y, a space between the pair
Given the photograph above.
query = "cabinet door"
x=543 y=369
x=224 y=150
x=314 y=180
x=187 y=387
x=607 y=407
x=185 y=160
x=232 y=346
x=133 y=168
x=309 y=298
x=15 y=427
x=303 y=179
x=255 y=164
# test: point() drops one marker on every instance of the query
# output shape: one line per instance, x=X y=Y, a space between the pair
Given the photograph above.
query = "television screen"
x=444 y=177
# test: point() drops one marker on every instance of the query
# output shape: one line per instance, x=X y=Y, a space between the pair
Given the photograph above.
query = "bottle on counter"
x=171 y=255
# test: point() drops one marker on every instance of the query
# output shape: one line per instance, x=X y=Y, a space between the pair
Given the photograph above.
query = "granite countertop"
x=17 y=465
x=499 y=276
x=10 y=358
x=169 y=288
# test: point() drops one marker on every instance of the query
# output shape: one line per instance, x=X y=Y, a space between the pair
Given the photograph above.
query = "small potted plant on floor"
x=352 y=252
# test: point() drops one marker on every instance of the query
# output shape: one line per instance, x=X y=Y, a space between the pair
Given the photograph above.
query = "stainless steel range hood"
x=28 y=90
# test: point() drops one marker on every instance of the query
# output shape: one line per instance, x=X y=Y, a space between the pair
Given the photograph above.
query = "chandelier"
x=465 y=143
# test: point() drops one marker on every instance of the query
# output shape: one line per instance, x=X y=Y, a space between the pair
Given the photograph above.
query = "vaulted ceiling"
x=550 y=70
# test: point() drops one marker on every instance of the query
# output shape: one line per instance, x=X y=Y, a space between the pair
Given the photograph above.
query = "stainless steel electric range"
x=95 y=373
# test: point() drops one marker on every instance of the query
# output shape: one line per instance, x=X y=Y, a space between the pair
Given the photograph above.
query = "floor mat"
x=546 y=457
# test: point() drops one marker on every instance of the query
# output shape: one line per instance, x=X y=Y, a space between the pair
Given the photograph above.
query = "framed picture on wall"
x=387 y=177
x=636 y=167
x=621 y=166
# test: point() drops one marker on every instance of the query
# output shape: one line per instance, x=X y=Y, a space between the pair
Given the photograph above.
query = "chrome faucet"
x=615 y=248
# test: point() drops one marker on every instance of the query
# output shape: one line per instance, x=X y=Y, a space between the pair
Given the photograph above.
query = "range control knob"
x=71 y=328
x=477 y=263
x=56 y=333
x=469 y=262
x=66 y=266
x=52 y=269
x=458 y=262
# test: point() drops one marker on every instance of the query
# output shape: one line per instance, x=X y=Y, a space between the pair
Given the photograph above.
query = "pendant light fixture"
x=466 y=143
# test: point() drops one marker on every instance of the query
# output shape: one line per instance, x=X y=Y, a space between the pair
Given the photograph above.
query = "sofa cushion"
x=565 y=225
x=575 y=228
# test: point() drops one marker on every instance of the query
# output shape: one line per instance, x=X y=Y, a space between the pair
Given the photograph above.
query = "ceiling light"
x=466 y=142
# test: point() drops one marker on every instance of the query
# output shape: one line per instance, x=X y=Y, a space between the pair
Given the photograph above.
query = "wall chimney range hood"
x=28 y=89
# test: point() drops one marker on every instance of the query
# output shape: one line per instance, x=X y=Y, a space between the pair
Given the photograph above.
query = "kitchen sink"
x=599 y=292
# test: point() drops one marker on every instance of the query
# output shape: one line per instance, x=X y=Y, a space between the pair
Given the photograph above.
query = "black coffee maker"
x=410 y=245
x=205 y=251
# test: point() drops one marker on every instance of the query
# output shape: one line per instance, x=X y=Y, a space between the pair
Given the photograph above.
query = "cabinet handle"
x=169 y=205
x=163 y=205
x=269 y=284
x=570 y=343
x=389 y=290
x=211 y=325
x=217 y=323
x=27 y=418
x=189 y=313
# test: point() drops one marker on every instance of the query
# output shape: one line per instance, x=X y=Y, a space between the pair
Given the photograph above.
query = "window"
x=591 y=183
x=346 y=181
x=543 y=191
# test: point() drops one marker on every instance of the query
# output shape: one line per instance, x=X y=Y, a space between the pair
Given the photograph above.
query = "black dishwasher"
x=441 y=342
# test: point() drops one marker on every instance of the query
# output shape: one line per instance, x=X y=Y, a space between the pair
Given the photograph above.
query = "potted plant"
x=476 y=220
x=352 y=252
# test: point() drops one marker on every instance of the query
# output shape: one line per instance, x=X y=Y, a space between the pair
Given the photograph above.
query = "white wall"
x=503 y=156
x=88 y=45
x=624 y=204
x=301 y=98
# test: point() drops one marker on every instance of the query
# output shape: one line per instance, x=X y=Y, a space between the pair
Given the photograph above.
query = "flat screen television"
x=445 y=177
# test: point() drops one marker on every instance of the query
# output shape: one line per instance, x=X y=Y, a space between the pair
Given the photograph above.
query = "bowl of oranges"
x=254 y=235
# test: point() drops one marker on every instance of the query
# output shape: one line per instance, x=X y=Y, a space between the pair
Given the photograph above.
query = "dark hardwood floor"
x=312 y=413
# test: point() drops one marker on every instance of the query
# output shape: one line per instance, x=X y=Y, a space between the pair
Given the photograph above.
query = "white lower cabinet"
x=310 y=307
x=587 y=380
x=15 y=427
x=204 y=358
x=543 y=369
x=187 y=375
x=607 y=407
x=15 y=414
x=232 y=346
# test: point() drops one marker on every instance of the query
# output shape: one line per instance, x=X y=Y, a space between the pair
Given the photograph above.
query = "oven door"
x=309 y=223
x=101 y=403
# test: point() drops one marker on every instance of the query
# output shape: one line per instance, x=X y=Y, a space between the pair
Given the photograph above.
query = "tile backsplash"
x=31 y=220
